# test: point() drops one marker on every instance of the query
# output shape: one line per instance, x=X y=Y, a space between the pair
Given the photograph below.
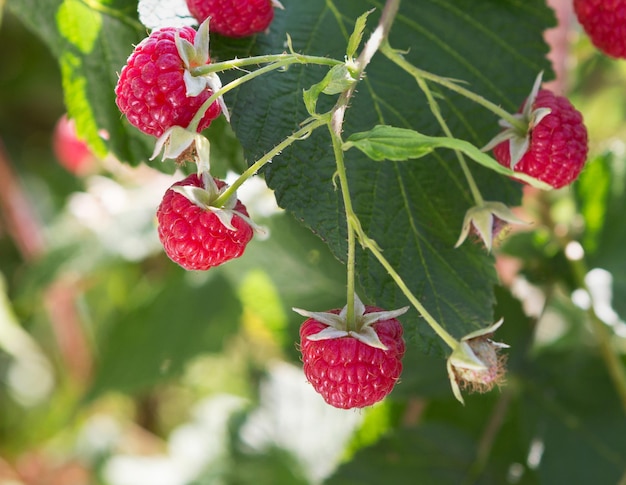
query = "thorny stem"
x=397 y=58
x=434 y=108
x=439 y=330
x=347 y=201
x=336 y=126
x=373 y=44
x=281 y=60
x=301 y=134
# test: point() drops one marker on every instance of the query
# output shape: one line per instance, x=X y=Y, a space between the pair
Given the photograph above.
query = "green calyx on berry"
x=205 y=196
x=487 y=220
x=475 y=363
x=519 y=139
x=338 y=323
x=180 y=144
x=197 y=54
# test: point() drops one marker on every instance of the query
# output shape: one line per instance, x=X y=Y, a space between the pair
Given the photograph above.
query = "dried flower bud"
x=475 y=364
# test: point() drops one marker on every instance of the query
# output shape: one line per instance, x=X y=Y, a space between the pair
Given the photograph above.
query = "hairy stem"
x=347 y=202
x=434 y=108
x=279 y=60
x=301 y=134
x=336 y=127
x=397 y=58
x=439 y=330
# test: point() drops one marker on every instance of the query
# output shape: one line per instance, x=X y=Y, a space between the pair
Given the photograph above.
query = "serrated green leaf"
x=357 y=34
x=413 y=211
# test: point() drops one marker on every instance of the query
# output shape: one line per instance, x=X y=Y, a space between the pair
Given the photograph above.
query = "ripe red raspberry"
x=604 y=22
x=347 y=372
x=234 y=18
x=195 y=236
x=557 y=143
x=151 y=89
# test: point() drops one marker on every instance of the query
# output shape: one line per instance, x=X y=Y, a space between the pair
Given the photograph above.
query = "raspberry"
x=347 y=372
x=72 y=153
x=604 y=21
x=195 y=236
x=151 y=89
x=234 y=18
x=557 y=148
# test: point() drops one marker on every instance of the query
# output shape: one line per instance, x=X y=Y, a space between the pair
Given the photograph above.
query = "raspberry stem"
x=347 y=202
x=396 y=57
x=434 y=108
x=301 y=134
x=354 y=227
x=279 y=60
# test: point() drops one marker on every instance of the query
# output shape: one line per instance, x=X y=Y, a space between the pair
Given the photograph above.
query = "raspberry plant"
x=374 y=129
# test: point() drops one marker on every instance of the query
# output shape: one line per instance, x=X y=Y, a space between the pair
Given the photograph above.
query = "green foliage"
x=161 y=339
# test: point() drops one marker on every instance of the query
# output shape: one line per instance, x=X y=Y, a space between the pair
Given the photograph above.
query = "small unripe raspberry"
x=475 y=363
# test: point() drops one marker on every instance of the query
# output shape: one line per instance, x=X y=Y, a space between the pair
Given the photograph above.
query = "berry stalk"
x=395 y=56
x=335 y=128
x=301 y=134
x=434 y=108
x=280 y=60
x=347 y=202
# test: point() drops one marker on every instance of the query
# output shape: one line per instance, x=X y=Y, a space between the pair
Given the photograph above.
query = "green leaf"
x=400 y=144
x=413 y=211
x=91 y=41
x=357 y=34
x=431 y=453
x=188 y=314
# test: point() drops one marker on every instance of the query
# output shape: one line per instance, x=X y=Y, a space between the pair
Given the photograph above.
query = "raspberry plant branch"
x=277 y=60
x=397 y=58
x=357 y=68
x=373 y=44
x=300 y=134
x=434 y=108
